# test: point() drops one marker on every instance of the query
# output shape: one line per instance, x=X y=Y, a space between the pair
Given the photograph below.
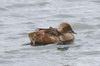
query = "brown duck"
x=63 y=33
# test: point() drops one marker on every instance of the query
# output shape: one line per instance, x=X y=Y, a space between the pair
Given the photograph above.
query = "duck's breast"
x=66 y=37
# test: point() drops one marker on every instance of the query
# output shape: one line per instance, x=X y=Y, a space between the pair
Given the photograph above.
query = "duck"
x=44 y=36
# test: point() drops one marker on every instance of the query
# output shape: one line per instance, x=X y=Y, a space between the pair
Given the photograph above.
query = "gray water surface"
x=20 y=17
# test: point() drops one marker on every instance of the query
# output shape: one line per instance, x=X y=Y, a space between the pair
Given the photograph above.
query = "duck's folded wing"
x=50 y=31
x=53 y=32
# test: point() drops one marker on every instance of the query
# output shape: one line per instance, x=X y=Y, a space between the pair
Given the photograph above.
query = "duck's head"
x=65 y=28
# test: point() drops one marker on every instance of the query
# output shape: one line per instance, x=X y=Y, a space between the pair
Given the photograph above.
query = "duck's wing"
x=53 y=31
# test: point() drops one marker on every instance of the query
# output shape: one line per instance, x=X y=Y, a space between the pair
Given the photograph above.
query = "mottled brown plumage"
x=52 y=35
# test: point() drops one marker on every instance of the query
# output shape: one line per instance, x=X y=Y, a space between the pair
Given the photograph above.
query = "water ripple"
x=96 y=1
x=64 y=16
x=3 y=9
x=28 y=5
x=91 y=53
x=5 y=61
x=82 y=26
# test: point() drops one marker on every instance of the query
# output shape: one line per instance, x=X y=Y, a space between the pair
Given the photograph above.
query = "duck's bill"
x=74 y=32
